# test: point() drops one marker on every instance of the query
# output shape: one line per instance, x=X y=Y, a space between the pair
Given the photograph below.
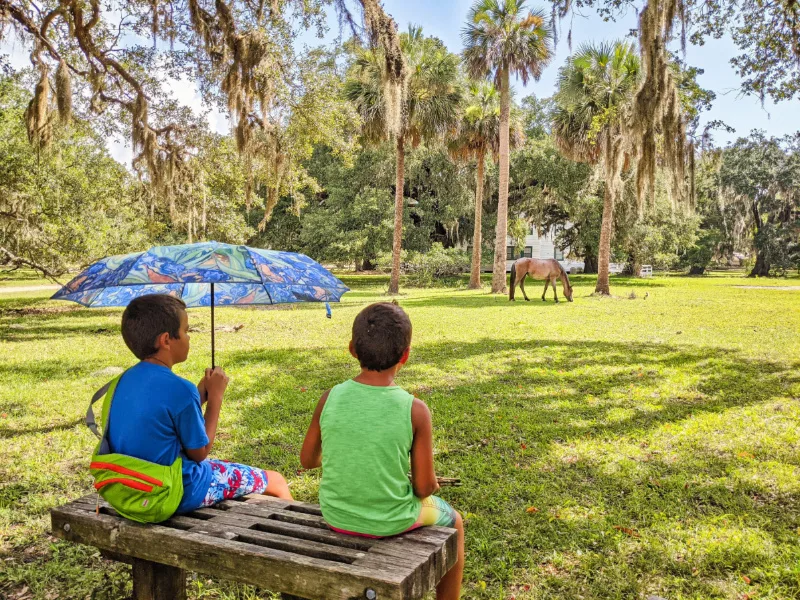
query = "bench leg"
x=154 y=581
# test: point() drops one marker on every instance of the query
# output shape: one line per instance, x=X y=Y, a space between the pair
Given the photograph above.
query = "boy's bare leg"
x=449 y=587
x=277 y=486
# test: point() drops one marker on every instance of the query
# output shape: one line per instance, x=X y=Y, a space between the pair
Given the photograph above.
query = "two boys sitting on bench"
x=362 y=432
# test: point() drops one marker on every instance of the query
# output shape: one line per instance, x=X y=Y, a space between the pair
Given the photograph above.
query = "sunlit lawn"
x=608 y=448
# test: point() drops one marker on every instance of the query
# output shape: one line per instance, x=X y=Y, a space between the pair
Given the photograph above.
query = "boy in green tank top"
x=362 y=433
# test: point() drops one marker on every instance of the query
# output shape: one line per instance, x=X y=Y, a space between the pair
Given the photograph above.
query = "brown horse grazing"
x=548 y=269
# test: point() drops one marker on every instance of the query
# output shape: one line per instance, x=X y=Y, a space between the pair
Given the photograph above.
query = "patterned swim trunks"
x=233 y=480
x=433 y=512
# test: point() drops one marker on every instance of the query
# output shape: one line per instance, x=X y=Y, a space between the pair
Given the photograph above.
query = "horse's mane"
x=565 y=274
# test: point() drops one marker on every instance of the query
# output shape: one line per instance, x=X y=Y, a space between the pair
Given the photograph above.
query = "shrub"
x=426 y=269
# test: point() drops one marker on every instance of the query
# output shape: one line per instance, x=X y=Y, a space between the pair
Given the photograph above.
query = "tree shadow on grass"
x=10 y=432
x=506 y=417
x=45 y=370
x=513 y=420
x=563 y=390
x=31 y=319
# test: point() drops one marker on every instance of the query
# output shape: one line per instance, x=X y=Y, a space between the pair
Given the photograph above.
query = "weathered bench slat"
x=405 y=551
x=265 y=512
x=264 y=521
x=274 y=544
x=244 y=531
x=422 y=567
x=262 y=518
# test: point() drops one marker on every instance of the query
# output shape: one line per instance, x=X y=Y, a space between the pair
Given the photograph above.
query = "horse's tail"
x=513 y=280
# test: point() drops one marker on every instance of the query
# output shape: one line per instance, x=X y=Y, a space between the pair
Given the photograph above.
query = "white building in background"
x=537 y=246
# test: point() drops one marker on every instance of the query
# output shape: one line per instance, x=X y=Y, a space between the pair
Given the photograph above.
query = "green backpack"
x=137 y=489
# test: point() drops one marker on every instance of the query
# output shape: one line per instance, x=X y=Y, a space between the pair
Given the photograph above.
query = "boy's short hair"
x=146 y=318
x=381 y=333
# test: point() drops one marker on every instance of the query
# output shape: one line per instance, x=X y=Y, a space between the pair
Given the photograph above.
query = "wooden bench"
x=274 y=544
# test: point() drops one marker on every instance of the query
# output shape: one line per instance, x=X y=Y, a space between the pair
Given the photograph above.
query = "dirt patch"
x=27 y=288
x=38 y=310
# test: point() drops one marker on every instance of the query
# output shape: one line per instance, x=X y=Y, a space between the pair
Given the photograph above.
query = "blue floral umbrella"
x=205 y=274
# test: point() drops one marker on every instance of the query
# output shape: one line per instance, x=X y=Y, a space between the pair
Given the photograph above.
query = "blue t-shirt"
x=154 y=416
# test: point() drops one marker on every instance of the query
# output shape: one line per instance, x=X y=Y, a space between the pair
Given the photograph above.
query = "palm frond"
x=433 y=95
x=500 y=34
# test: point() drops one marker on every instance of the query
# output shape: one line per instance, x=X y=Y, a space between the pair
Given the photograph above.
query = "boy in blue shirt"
x=156 y=415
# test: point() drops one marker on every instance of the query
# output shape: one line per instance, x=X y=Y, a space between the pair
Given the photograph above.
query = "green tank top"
x=366 y=441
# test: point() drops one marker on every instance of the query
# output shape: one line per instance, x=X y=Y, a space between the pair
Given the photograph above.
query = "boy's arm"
x=311 y=453
x=211 y=418
x=215 y=383
x=423 y=475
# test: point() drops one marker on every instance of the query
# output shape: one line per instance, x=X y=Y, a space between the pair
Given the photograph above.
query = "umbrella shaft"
x=213 y=363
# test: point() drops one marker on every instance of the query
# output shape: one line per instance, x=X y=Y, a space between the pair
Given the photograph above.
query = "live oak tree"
x=62 y=207
x=111 y=62
x=760 y=178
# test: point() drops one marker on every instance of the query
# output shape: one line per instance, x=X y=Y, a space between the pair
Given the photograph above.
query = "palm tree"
x=478 y=135
x=595 y=91
x=430 y=110
x=500 y=39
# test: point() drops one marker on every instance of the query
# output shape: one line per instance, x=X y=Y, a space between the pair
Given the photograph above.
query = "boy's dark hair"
x=146 y=318
x=381 y=333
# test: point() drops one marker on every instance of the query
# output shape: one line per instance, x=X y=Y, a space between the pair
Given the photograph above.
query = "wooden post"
x=154 y=581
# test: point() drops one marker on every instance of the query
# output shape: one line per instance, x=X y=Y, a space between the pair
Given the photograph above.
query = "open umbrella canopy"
x=241 y=275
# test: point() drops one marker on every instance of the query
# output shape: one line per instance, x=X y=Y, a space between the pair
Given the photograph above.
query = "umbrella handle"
x=213 y=361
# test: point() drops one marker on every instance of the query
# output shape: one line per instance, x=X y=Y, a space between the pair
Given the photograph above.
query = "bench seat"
x=275 y=544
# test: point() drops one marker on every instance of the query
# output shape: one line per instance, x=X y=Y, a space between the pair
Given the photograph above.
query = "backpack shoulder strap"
x=106 y=392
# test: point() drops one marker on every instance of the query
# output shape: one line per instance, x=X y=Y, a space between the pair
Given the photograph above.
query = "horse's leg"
x=522 y=286
x=546 y=283
x=555 y=293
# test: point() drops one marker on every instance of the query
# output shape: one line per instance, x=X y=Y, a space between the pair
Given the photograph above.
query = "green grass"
x=609 y=448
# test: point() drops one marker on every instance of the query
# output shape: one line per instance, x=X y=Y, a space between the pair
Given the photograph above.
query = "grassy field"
x=609 y=448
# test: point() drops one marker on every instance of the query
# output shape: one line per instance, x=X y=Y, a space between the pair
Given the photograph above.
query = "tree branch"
x=19 y=261
x=20 y=17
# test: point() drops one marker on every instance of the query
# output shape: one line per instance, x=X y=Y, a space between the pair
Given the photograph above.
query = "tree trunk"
x=501 y=232
x=397 y=242
x=697 y=270
x=204 y=218
x=475 y=275
x=604 y=252
x=189 y=227
x=590 y=264
x=762 y=267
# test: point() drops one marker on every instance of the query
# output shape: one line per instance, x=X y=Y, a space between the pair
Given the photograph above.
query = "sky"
x=445 y=19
